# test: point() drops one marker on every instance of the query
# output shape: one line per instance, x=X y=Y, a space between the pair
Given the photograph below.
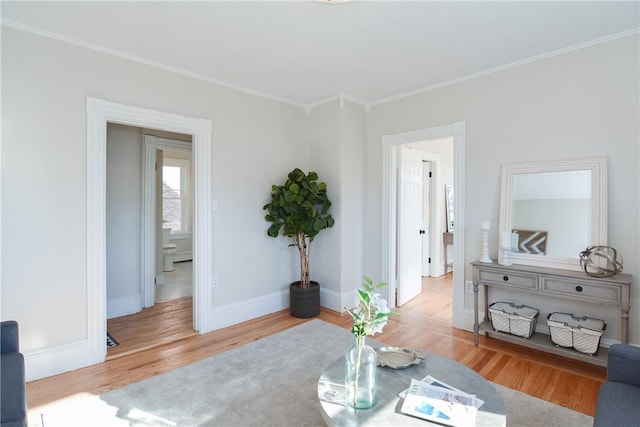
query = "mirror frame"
x=599 y=204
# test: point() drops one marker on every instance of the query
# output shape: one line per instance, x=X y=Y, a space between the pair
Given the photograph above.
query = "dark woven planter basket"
x=304 y=302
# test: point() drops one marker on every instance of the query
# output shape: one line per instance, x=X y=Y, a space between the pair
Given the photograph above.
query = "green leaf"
x=381 y=285
x=365 y=296
x=274 y=229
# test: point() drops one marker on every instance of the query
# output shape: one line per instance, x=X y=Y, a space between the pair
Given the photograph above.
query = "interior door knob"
x=422 y=231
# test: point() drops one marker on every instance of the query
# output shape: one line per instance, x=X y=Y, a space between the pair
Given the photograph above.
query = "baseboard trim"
x=183 y=256
x=337 y=301
x=231 y=314
x=58 y=359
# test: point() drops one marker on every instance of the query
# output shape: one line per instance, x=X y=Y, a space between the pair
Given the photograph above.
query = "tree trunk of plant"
x=303 y=246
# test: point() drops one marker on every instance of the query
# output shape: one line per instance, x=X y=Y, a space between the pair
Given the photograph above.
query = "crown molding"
x=339 y=98
x=309 y=106
x=134 y=58
x=525 y=61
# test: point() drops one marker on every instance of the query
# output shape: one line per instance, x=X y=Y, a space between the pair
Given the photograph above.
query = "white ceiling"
x=305 y=52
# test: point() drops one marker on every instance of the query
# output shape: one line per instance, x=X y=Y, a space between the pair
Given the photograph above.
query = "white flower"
x=372 y=311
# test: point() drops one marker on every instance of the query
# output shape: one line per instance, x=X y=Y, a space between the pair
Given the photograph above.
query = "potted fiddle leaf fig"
x=299 y=209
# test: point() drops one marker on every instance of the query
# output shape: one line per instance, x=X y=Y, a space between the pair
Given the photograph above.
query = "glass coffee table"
x=390 y=382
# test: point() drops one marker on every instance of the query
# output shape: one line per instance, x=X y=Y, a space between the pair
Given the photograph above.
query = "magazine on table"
x=437 y=383
x=440 y=404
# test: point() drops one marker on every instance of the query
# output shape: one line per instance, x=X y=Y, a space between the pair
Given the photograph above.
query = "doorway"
x=424 y=169
x=390 y=262
x=167 y=215
x=174 y=275
x=99 y=113
x=141 y=200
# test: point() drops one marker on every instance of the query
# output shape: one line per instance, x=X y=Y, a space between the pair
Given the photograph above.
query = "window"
x=175 y=195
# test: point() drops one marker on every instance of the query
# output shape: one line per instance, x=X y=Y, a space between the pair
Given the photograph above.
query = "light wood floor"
x=424 y=324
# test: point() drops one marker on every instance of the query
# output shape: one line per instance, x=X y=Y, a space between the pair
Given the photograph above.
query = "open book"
x=440 y=404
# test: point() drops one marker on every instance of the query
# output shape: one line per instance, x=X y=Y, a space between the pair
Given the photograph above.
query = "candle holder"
x=504 y=248
x=485 y=226
x=504 y=256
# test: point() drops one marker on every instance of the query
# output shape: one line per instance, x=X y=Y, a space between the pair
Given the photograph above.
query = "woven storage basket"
x=581 y=333
x=518 y=320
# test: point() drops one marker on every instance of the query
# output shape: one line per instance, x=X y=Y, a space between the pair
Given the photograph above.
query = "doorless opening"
x=99 y=113
x=390 y=199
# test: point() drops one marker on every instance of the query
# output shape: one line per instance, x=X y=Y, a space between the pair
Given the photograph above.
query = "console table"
x=447 y=239
x=554 y=283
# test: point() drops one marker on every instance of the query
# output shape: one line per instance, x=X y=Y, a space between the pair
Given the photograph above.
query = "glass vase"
x=360 y=375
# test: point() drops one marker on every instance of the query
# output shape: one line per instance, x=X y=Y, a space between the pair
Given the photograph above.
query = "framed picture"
x=532 y=242
x=448 y=201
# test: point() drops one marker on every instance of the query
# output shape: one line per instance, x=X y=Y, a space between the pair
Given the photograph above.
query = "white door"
x=426 y=217
x=409 y=225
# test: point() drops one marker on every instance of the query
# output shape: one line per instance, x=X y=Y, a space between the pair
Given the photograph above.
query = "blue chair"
x=13 y=405
x=619 y=397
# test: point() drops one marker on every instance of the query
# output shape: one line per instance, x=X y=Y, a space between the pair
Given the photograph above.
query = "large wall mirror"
x=554 y=210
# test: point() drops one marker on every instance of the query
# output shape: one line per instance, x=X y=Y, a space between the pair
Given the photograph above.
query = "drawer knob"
x=579 y=288
x=505 y=278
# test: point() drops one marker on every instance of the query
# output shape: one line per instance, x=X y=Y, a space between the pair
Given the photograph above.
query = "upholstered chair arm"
x=9 y=336
x=624 y=364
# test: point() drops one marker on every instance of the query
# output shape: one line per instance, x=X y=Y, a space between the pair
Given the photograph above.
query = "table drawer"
x=575 y=288
x=509 y=279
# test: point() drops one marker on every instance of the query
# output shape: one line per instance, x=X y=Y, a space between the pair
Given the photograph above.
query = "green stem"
x=360 y=344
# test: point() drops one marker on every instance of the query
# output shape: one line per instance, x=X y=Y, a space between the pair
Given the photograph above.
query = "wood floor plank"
x=562 y=381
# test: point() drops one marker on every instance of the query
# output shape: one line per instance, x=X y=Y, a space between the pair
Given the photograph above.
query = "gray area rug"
x=270 y=382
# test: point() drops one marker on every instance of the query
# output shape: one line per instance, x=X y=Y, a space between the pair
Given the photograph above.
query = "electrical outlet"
x=214 y=282
x=468 y=287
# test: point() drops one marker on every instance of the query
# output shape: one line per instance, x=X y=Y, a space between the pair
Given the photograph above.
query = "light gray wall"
x=124 y=207
x=325 y=158
x=352 y=161
x=44 y=267
x=337 y=136
x=582 y=103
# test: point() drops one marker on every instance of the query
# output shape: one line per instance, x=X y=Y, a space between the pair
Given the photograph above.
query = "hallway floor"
x=171 y=319
x=177 y=283
x=163 y=323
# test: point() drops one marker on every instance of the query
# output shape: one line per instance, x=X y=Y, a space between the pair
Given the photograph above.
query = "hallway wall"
x=124 y=207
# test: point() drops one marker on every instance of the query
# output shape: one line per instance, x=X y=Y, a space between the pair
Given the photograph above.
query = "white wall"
x=124 y=207
x=352 y=187
x=337 y=135
x=44 y=283
x=583 y=103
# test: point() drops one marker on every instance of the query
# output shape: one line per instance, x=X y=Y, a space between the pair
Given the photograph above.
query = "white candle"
x=505 y=239
x=485 y=225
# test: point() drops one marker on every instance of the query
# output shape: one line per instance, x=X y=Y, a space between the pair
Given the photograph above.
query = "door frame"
x=390 y=143
x=149 y=227
x=99 y=113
